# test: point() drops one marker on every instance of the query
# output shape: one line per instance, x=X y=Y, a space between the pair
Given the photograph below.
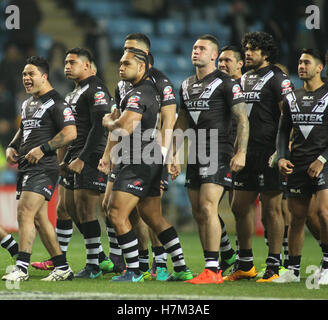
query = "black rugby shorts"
x=68 y=181
x=257 y=175
x=40 y=182
x=299 y=184
x=197 y=174
x=141 y=180
x=91 y=179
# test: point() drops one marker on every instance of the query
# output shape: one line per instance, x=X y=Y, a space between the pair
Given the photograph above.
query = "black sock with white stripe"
x=60 y=262
x=295 y=264
x=285 y=247
x=64 y=230
x=324 y=248
x=160 y=257
x=9 y=243
x=245 y=259
x=91 y=233
x=113 y=243
x=226 y=250
x=172 y=246
x=211 y=260
x=23 y=261
x=144 y=260
x=128 y=242
x=273 y=262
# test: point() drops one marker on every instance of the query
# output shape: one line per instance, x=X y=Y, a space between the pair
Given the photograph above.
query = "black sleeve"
x=100 y=102
x=285 y=126
x=62 y=115
x=95 y=135
x=281 y=86
x=137 y=103
x=117 y=97
x=233 y=93
x=167 y=93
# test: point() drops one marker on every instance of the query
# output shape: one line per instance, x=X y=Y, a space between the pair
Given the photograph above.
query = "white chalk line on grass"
x=38 y=295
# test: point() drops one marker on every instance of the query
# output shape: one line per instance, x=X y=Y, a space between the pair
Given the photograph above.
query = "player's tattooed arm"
x=239 y=114
x=64 y=137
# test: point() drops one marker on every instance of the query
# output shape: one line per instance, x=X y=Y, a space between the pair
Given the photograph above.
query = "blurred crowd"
x=283 y=19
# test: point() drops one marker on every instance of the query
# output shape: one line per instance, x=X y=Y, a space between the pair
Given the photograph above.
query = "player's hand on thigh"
x=238 y=161
x=315 y=168
x=76 y=165
x=11 y=155
x=285 y=166
x=34 y=155
x=104 y=166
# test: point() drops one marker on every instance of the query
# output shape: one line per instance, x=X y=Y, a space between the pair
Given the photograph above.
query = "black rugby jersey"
x=307 y=113
x=90 y=101
x=161 y=82
x=263 y=90
x=42 y=119
x=143 y=98
x=208 y=104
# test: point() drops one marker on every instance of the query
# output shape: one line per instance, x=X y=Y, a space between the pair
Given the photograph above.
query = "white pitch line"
x=38 y=295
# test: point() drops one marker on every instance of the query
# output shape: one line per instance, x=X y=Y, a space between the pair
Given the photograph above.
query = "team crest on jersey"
x=236 y=90
x=286 y=86
x=68 y=114
x=133 y=102
x=168 y=93
x=133 y=99
x=99 y=98
x=99 y=95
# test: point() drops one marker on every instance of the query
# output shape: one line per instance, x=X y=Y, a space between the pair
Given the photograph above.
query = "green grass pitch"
x=103 y=288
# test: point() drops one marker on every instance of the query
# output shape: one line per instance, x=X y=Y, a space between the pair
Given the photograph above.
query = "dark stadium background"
x=49 y=27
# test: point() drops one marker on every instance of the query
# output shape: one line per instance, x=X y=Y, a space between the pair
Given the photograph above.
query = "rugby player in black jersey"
x=90 y=101
x=209 y=99
x=138 y=180
x=168 y=117
x=230 y=61
x=264 y=87
x=66 y=209
x=47 y=124
x=305 y=111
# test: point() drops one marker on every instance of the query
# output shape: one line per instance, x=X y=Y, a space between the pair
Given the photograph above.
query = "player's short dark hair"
x=263 y=41
x=238 y=52
x=211 y=38
x=315 y=53
x=140 y=37
x=81 y=52
x=41 y=63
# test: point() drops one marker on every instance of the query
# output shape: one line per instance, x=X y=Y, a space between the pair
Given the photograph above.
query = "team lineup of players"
x=263 y=137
